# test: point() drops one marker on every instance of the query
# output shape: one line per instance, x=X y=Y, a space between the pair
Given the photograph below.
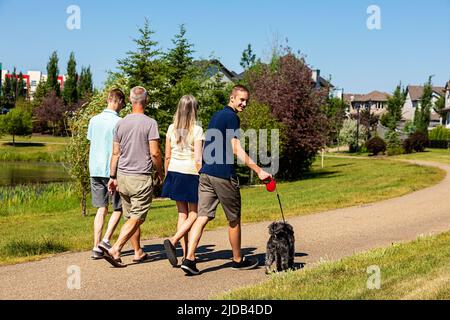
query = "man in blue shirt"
x=219 y=182
x=100 y=134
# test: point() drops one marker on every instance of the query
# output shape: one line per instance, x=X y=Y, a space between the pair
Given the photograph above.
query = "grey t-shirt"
x=133 y=133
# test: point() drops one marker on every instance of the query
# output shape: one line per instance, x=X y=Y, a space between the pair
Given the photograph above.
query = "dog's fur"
x=280 y=247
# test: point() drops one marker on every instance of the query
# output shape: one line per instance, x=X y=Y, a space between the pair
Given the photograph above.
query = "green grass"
x=416 y=270
x=435 y=155
x=31 y=217
x=35 y=148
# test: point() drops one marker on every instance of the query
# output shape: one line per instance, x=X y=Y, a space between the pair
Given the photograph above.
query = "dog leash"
x=281 y=208
x=271 y=186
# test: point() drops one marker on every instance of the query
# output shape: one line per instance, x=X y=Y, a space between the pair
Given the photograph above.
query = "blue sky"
x=412 y=44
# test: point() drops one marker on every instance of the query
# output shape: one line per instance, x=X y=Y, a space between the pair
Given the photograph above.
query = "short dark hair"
x=239 y=87
x=116 y=95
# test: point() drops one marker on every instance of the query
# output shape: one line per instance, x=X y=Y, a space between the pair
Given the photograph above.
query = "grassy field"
x=435 y=155
x=416 y=270
x=47 y=220
x=35 y=148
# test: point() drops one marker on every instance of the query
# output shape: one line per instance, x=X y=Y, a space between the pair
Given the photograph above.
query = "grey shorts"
x=213 y=190
x=101 y=196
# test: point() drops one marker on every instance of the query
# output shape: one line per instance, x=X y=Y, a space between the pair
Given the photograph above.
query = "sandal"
x=117 y=263
x=141 y=259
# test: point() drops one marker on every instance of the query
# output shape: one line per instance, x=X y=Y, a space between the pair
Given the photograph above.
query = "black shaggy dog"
x=280 y=247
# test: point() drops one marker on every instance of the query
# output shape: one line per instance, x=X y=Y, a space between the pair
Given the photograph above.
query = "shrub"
x=439 y=133
x=419 y=141
x=407 y=145
x=376 y=145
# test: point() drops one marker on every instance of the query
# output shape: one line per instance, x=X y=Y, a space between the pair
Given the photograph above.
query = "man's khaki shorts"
x=136 y=193
x=213 y=190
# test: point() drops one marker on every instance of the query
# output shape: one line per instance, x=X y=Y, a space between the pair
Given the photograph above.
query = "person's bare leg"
x=184 y=227
x=195 y=235
x=234 y=233
x=112 y=224
x=182 y=207
x=98 y=225
x=127 y=231
x=136 y=244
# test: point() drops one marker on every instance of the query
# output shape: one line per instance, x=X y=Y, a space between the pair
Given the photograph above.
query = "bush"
x=376 y=145
x=407 y=145
x=394 y=150
x=439 y=133
x=418 y=141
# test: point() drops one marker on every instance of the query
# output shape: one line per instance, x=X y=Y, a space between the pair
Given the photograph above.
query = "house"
x=412 y=102
x=375 y=102
x=446 y=115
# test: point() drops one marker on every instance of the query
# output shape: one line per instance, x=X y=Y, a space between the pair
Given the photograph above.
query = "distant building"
x=32 y=79
x=413 y=97
x=375 y=102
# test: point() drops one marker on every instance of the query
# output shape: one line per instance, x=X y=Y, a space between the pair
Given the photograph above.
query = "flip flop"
x=141 y=259
x=117 y=263
x=170 y=252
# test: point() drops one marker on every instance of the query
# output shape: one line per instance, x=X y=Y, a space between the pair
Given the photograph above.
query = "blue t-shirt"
x=218 y=156
x=100 y=133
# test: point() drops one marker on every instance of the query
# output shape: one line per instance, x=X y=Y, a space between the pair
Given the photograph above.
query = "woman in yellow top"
x=183 y=160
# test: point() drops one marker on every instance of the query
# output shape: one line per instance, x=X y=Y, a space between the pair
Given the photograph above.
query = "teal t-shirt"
x=100 y=134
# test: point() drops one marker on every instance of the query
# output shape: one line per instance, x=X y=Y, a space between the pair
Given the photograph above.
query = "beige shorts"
x=136 y=193
x=213 y=190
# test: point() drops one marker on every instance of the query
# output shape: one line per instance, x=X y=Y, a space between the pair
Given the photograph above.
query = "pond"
x=25 y=173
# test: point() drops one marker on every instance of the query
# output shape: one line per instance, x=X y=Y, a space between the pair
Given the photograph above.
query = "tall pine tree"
x=141 y=66
x=179 y=58
x=422 y=114
x=52 y=74
x=70 y=91
x=85 y=86
x=248 y=58
x=394 y=108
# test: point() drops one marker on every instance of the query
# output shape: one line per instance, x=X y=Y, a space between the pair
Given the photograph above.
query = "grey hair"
x=138 y=95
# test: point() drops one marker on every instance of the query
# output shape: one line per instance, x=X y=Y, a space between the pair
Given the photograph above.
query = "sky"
x=411 y=44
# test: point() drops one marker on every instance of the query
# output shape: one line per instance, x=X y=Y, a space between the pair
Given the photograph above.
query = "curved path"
x=328 y=235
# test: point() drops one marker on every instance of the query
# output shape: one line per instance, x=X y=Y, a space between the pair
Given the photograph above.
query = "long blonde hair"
x=185 y=118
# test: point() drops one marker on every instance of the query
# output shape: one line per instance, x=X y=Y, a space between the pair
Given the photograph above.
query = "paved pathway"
x=328 y=235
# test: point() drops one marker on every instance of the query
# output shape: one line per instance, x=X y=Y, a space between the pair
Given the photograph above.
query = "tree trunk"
x=14 y=140
x=251 y=177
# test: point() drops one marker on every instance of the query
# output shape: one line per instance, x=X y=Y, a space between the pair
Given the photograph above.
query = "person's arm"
x=243 y=156
x=155 y=153
x=112 y=184
x=167 y=153
x=198 y=154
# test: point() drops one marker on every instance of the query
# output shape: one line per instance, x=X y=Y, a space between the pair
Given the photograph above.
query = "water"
x=26 y=173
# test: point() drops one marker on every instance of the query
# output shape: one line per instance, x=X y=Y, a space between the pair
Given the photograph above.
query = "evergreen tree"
x=21 y=87
x=141 y=66
x=70 y=91
x=85 y=86
x=394 y=108
x=248 y=58
x=52 y=74
x=179 y=58
x=422 y=114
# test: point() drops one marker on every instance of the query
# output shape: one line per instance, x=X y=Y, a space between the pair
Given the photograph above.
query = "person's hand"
x=262 y=175
x=159 y=179
x=112 y=186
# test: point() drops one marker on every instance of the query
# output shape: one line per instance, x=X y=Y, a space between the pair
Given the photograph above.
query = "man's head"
x=138 y=96
x=116 y=100
x=239 y=98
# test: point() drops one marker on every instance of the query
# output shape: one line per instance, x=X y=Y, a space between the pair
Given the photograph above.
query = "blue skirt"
x=181 y=187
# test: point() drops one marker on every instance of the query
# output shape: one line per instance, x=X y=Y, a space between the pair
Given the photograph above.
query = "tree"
x=347 y=134
x=422 y=114
x=70 y=90
x=179 y=59
x=141 y=65
x=439 y=106
x=248 y=58
x=368 y=121
x=85 y=86
x=285 y=85
x=51 y=114
x=394 y=108
x=334 y=110
x=52 y=74
x=16 y=123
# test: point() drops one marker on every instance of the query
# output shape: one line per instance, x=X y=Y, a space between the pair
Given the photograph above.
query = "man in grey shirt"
x=135 y=152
